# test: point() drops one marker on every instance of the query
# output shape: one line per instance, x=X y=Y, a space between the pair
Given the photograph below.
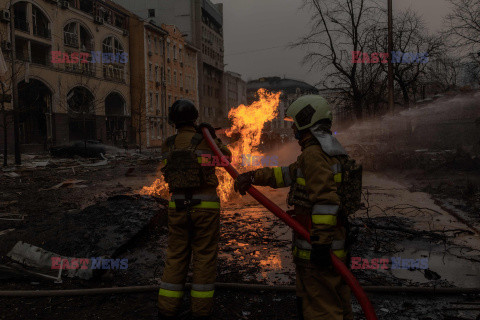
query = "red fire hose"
x=298 y=228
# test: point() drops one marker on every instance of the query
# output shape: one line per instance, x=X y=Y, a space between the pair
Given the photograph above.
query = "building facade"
x=291 y=90
x=235 y=91
x=163 y=70
x=148 y=88
x=72 y=67
x=181 y=69
x=201 y=22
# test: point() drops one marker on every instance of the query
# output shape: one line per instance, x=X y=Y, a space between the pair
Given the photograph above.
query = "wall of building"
x=156 y=109
x=235 y=92
x=138 y=79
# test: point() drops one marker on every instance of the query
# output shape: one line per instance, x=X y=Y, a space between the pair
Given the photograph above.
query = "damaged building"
x=62 y=97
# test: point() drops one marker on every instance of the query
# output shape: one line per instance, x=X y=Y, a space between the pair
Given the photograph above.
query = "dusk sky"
x=258 y=31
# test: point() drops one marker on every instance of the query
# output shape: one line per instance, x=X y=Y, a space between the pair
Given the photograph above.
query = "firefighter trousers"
x=324 y=294
x=194 y=232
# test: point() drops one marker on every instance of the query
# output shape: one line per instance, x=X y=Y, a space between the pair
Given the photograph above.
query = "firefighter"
x=193 y=215
x=314 y=181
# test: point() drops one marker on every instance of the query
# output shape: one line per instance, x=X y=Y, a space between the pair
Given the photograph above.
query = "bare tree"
x=463 y=24
x=340 y=27
x=5 y=124
x=443 y=72
x=6 y=97
x=414 y=48
x=139 y=120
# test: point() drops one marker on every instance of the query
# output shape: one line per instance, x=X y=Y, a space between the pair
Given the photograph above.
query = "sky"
x=257 y=32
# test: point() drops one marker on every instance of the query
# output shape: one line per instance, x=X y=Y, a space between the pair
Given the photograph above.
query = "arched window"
x=115 y=118
x=77 y=36
x=81 y=112
x=112 y=45
x=40 y=22
x=80 y=102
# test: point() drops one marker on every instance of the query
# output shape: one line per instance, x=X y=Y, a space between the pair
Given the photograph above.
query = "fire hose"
x=347 y=276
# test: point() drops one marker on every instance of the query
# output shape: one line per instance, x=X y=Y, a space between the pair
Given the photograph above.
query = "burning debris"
x=248 y=123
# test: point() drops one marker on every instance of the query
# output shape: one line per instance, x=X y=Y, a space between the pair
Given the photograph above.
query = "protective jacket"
x=314 y=180
x=193 y=222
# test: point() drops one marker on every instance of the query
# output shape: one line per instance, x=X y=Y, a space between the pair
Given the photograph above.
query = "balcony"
x=114 y=72
x=42 y=32
x=87 y=69
x=21 y=24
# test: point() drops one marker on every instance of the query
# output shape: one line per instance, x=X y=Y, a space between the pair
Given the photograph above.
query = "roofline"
x=149 y=24
x=191 y=46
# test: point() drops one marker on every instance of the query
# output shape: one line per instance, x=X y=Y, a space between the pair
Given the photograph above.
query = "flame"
x=248 y=122
x=159 y=188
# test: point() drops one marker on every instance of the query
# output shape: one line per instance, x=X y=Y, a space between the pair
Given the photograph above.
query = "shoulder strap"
x=171 y=142
x=196 y=140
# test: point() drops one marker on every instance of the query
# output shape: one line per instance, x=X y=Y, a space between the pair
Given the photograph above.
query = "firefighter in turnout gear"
x=325 y=186
x=193 y=215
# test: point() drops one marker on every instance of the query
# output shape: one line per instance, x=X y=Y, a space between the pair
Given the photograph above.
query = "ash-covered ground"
x=420 y=202
x=255 y=246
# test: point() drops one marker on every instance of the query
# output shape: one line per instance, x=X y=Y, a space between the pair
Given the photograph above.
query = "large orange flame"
x=248 y=123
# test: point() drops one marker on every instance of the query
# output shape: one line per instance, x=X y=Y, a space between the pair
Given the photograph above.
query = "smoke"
x=286 y=153
x=449 y=123
x=445 y=123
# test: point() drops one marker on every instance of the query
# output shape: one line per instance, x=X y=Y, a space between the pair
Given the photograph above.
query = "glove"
x=243 y=182
x=209 y=127
x=320 y=255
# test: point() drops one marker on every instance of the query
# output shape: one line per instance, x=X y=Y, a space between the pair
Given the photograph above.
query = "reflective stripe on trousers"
x=203 y=205
x=202 y=290
x=325 y=214
x=171 y=290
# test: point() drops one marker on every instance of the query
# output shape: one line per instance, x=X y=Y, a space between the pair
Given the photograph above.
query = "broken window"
x=21 y=19
x=70 y=35
x=113 y=68
x=40 y=24
x=86 y=40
